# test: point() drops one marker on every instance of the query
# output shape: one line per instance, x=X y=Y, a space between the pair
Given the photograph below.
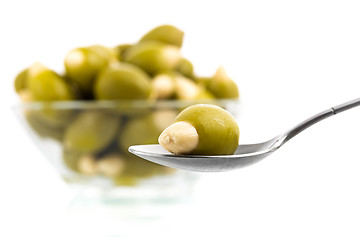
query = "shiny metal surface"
x=245 y=155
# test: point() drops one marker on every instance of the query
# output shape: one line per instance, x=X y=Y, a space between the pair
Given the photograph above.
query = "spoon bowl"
x=200 y=163
x=244 y=155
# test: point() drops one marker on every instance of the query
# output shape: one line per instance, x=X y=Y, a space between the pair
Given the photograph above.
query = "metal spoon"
x=245 y=154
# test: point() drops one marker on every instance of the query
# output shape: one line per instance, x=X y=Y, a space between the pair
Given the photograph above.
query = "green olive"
x=120 y=51
x=21 y=81
x=71 y=159
x=41 y=127
x=75 y=88
x=83 y=65
x=128 y=180
x=153 y=56
x=145 y=129
x=141 y=130
x=165 y=33
x=56 y=118
x=203 y=81
x=163 y=85
x=46 y=85
x=111 y=164
x=140 y=168
x=186 y=89
x=25 y=95
x=80 y=162
x=137 y=169
x=106 y=53
x=186 y=68
x=91 y=131
x=122 y=81
x=202 y=129
x=222 y=86
x=205 y=95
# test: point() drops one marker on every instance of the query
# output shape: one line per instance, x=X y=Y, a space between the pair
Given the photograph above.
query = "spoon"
x=244 y=155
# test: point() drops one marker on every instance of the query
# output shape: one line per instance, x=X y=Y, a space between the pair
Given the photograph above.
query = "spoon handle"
x=318 y=117
x=346 y=106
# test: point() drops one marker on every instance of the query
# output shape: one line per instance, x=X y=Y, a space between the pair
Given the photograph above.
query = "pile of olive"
x=95 y=140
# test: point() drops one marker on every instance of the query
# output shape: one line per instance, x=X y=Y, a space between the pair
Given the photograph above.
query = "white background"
x=291 y=59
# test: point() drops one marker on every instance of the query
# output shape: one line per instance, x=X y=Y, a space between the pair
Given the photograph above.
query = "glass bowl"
x=87 y=142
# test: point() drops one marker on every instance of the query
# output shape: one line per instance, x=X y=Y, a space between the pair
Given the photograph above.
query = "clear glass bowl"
x=87 y=142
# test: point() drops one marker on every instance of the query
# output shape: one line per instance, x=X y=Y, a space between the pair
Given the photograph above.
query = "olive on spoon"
x=243 y=156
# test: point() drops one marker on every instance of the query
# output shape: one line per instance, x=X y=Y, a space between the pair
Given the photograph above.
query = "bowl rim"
x=110 y=104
